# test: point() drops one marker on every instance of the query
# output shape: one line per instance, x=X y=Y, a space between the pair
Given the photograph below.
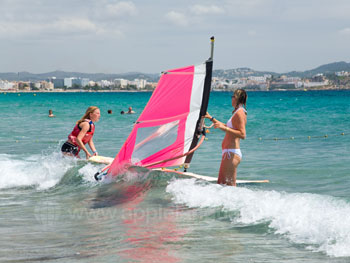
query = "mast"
x=212 y=39
x=200 y=130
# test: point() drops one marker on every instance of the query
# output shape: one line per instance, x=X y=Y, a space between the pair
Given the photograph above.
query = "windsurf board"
x=210 y=178
x=101 y=159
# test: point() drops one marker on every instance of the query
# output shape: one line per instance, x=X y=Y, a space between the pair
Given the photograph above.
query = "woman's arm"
x=84 y=128
x=217 y=124
x=92 y=147
x=239 y=132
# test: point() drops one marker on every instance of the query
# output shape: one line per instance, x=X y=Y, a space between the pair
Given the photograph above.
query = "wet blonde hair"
x=89 y=110
x=241 y=97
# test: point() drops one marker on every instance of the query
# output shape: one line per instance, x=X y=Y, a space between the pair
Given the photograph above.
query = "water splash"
x=40 y=171
x=317 y=221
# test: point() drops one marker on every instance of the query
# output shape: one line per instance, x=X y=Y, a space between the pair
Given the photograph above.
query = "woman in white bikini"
x=235 y=130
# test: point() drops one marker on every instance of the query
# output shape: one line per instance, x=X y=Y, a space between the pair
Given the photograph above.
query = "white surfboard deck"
x=101 y=159
x=109 y=160
x=209 y=178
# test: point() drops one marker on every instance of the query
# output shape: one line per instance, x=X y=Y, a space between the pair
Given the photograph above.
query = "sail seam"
x=164 y=119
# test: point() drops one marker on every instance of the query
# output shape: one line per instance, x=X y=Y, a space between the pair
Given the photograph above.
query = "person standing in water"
x=234 y=131
x=51 y=115
x=82 y=134
x=130 y=111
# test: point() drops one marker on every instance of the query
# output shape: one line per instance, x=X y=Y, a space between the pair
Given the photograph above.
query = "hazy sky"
x=113 y=36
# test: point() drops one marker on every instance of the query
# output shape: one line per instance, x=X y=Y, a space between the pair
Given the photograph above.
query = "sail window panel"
x=150 y=140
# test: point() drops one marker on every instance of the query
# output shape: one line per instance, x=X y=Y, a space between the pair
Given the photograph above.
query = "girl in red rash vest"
x=82 y=134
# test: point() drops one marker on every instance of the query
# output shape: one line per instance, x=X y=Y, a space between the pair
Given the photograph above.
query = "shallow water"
x=52 y=210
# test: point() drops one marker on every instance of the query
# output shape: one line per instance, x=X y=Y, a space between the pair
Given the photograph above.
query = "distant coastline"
x=72 y=91
x=334 y=76
x=145 y=91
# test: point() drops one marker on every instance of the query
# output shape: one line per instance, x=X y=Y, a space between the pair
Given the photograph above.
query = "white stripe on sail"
x=195 y=104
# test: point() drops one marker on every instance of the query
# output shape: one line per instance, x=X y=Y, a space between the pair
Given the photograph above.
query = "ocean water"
x=52 y=210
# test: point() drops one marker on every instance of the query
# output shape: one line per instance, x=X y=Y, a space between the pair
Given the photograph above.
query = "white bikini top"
x=229 y=122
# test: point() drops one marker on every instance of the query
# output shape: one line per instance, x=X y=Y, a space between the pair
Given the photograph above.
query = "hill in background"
x=246 y=72
x=227 y=73
x=27 y=76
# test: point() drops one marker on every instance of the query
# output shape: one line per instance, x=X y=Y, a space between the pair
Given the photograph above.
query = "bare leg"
x=222 y=172
x=228 y=169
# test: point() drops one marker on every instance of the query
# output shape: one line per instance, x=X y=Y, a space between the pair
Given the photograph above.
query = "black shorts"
x=70 y=148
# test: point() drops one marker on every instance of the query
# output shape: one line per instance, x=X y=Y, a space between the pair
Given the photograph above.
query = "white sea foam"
x=40 y=171
x=88 y=171
x=320 y=222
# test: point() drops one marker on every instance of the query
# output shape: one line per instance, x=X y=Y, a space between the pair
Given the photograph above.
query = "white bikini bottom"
x=233 y=151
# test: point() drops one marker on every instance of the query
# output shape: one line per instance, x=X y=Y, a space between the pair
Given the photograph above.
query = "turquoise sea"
x=52 y=210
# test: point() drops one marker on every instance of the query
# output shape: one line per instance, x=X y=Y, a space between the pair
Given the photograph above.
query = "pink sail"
x=168 y=125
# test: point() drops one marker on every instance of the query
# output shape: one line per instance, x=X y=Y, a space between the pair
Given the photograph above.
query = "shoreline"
x=72 y=91
x=136 y=91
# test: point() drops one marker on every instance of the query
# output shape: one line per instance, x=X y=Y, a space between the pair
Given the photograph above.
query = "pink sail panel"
x=166 y=127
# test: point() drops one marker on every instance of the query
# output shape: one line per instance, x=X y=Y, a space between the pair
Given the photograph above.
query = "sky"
x=150 y=36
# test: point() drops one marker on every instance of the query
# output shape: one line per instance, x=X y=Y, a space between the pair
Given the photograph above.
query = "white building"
x=105 y=83
x=37 y=85
x=5 y=85
x=68 y=82
x=315 y=84
x=73 y=82
x=121 y=82
x=342 y=73
x=47 y=85
x=140 y=83
x=290 y=79
x=257 y=79
x=84 y=82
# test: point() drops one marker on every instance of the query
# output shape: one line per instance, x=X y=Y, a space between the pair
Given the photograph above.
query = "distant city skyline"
x=112 y=36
